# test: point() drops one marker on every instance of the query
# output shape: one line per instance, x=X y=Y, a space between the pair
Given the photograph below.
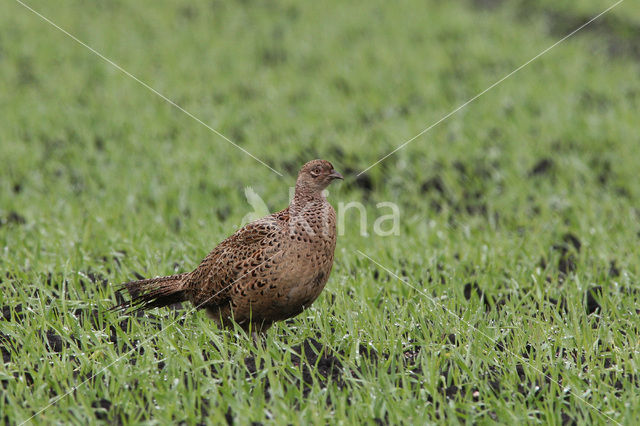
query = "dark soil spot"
x=410 y=356
x=291 y=167
x=58 y=284
x=229 y=416
x=473 y=288
x=98 y=143
x=602 y=168
x=94 y=278
x=342 y=85
x=573 y=240
x=567 y=419
x=176 y=224
x=204 y=408
x=382 y=422
x=542 y=263
x=93 y=316
x=188 y=12
x=630 y=291
x=460 y=167
x=620 y=34
x=28 y=378
x=311 y=354
x=477 y=177
x=560 y=304
x=96 y=320
x=97 y=278
x=435 y=274
x=474 y=203
x=54 y=341
x=614 y=272
x=273 y=56
x=115 y=258
x=434 y=184
x=5 y=346
x=364 y=182
x=543 y=166
x=336 y=151
x=592 y=296
x=12 y=314
x=317 y=362
x=13 y=218
x=567 y=263
x=222 y=213
x=101 y=408
x=452 y=338
x=569 y=245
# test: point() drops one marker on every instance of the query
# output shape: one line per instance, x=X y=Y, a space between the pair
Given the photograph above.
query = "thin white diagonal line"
x=495 y=341
x=128 y=74
x=489 y=88
x=74 y=388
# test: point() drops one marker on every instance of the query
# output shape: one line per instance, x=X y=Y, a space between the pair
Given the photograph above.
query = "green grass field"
x=511 y=294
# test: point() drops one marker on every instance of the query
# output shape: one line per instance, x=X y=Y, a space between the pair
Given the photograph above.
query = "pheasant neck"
x=303 y=198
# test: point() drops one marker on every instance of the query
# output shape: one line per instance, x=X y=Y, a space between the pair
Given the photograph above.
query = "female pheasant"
x=269 y=270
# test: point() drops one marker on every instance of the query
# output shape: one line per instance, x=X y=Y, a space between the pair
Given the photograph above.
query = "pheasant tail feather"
x=154 y=292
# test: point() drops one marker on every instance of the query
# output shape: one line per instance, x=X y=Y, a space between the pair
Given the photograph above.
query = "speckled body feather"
x=269 y=270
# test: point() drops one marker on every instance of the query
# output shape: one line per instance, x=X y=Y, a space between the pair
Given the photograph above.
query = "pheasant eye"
x=315 y=172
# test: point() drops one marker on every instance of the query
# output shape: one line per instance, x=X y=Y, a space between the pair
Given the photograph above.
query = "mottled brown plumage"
x=269 y=270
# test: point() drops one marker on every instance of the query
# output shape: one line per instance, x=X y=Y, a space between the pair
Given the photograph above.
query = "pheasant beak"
x=335 y=175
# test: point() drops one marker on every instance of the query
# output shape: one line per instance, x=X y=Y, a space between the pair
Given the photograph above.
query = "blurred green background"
x=519 y=213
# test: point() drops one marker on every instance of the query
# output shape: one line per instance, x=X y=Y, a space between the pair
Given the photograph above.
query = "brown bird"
x=269 y=270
